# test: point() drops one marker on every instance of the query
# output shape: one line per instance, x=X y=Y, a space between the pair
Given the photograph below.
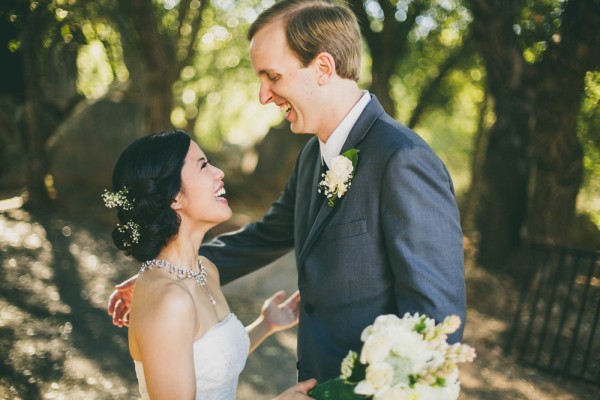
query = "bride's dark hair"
x=150 y=171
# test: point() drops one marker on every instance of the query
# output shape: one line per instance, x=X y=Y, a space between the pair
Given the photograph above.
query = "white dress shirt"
x=337 y=139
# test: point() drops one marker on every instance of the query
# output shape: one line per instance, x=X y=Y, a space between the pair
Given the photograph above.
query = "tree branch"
x=425 y=99
x=196 y=25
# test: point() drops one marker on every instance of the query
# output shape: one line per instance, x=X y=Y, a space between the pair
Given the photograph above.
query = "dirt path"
x=56 y=342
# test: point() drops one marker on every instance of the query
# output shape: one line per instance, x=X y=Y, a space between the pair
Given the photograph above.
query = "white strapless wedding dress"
x=219 y=357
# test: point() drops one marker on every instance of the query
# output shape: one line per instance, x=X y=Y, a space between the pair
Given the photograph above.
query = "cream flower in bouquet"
x=401 y=358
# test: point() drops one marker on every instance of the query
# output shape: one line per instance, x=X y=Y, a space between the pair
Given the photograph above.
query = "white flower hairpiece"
x=117 y=199
x=120 y=199
x=338 y=178
x=132 y=230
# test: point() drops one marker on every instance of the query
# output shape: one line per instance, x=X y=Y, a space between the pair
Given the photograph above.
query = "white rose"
x=341 y=168
x=378 y=379
x=379 y=375
x=395 y=393
x=410 y=346
x=375 y=349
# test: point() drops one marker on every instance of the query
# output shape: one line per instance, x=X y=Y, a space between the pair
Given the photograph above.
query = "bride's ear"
x=176 y=204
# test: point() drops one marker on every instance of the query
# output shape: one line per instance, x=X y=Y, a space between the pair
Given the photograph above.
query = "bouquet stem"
x=335 y=389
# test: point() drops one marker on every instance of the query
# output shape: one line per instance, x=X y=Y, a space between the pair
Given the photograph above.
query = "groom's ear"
x=325 y=65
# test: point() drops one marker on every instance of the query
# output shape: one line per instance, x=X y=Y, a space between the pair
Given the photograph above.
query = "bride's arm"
x=165 y=340
x=275 y=315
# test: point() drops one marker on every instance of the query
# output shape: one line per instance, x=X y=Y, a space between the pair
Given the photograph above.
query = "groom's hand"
x=280 y=314
x=119 y=302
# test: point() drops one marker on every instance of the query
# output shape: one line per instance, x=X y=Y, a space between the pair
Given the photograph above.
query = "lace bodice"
x=219 y=357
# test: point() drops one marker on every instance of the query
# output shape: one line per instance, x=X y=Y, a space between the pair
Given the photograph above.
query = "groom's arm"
x=258 y=244
x=423 y=236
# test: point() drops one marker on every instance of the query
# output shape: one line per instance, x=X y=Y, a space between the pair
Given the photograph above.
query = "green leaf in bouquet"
x=352 y=155
x=335 y=389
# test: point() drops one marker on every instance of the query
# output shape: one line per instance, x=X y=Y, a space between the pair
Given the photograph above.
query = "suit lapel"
x=317 y=198
x=318 y=204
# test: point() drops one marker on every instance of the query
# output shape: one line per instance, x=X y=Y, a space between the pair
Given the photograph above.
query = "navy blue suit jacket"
x=392 y=244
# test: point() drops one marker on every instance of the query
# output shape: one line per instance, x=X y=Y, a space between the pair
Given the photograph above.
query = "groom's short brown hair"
x=316 y=26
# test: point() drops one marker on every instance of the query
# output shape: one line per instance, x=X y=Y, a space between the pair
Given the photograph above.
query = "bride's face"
x=202 y=189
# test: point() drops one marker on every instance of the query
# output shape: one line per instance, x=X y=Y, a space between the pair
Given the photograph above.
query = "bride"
x=185 y=341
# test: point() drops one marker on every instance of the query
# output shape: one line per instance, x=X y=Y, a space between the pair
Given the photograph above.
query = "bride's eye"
x=204 y=164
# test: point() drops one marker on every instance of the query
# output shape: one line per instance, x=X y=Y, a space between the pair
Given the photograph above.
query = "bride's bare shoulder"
x=164 y=300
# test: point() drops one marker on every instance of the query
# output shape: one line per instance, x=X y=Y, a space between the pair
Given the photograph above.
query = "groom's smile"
x=284 y=81
x=286 y=108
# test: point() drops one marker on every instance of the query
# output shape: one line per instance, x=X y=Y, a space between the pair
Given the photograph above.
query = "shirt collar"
x=337 y=139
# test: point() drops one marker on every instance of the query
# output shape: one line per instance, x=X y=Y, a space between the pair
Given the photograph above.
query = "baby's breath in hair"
x=117 y=199
x=132 y=230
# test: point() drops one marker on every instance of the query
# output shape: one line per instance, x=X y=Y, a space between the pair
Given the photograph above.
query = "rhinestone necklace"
x=182 y=273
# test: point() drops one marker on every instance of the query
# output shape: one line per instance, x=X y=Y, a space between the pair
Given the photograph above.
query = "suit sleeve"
x=258 y=244
x=423 y=236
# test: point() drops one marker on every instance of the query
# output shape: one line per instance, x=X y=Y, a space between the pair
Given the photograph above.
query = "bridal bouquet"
x=401 y=358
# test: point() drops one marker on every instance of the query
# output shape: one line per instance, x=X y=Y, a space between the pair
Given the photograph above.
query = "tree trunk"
x=382 y=70
x=557 y=153
x=387 y=47
x=50 y=96
x=158 y=54
x=35 y=134
x=536 y=112
x=502 y=205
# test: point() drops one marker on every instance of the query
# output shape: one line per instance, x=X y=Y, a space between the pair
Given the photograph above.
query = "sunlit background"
x=96 y=83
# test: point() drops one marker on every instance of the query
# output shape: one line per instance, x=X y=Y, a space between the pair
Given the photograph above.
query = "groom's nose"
x=265 y=95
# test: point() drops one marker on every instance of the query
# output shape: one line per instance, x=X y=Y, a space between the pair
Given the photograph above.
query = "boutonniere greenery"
x=338 y=179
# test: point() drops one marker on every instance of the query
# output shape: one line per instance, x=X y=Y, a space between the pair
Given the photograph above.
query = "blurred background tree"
x=506 y=92
x=537 y=55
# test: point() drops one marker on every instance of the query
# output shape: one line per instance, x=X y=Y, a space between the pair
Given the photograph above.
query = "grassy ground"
x=56 y=341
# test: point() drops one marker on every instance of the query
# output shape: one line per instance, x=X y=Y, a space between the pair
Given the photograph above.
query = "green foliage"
x=588 y=127
x=538 y=25
x=352 y=155
x=335 y=389
x=450 y=120
x=218 y=92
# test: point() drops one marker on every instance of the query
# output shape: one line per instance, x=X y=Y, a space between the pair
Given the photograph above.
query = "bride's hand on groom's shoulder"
x=119 y=302
x=280 y=314
x=299 y=391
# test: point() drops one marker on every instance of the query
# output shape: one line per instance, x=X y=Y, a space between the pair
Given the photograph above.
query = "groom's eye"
x=273 y=78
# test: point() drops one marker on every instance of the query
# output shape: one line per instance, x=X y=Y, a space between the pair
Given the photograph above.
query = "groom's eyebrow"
x=267 y=71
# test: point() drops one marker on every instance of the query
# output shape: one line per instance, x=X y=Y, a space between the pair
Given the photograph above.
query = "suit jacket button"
x=309 y=308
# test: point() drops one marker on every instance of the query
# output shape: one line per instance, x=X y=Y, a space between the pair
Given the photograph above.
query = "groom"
x=392 y=243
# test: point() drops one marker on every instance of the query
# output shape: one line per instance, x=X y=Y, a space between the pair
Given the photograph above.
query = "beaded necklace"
x=182 y=273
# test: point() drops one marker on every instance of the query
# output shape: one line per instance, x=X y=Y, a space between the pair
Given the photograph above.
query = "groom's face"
x=283 y=80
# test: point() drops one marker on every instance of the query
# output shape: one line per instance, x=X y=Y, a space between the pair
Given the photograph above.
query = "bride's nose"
x=219 y=174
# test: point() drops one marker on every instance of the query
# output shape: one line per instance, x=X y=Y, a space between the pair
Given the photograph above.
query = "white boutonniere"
x=338 y=179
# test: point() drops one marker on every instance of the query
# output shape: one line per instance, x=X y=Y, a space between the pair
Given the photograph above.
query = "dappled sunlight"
x=29 y=269
x=53 y=338
x=21 y=234
x=58 y=342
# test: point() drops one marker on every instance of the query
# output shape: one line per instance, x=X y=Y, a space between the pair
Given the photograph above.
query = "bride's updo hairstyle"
x=148 y=174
